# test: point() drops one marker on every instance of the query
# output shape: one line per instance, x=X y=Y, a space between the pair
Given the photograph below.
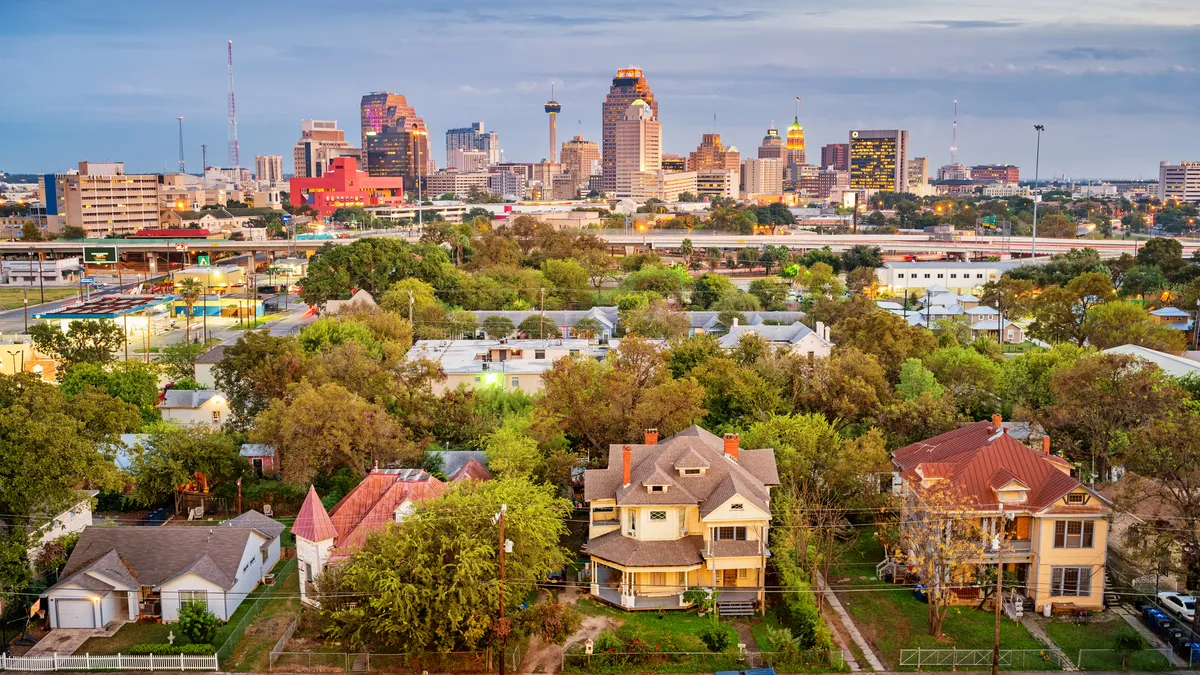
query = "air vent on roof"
x=486 y=365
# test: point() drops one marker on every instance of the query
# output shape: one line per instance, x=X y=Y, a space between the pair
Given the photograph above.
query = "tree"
x=197 y=623
x=74 y=232
x=709 y=288
x=668 y=282
x=600 y=268
x=1165 y=253
x=736 y=395
x=1057 y=226
x=134 y=382
x=372 y=264
x=1061 y=311
x=1014 y=297
x=588 y=328
x=178 y=361
x=691 y=352
x=823 y=282
x=538 y=327
x=511 y=453
x=496 y=327
x=1143 y=280
x=972 y=378
x=175 y=455
x=771 y=292
x=887 y=336
x=1127 y=641
x=190 y=291
x=258 y=368
x=862 y=255
x=30 y=232
x=916 y=380
x=1120 y=323
x=942 y=543
x=86 y=341
x=318 y=430
x=772 y=256
x=429 y=583
x=567 y=278
x=460 y=323
x=848 y=386
x=657 y=319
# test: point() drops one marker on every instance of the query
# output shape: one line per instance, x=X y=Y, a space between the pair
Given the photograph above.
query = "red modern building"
x=343 y=185
x=1001 y=173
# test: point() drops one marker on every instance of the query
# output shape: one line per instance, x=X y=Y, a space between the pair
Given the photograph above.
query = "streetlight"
x=1036 y=162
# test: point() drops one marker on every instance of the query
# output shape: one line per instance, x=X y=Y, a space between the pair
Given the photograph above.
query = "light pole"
x=1037 y=158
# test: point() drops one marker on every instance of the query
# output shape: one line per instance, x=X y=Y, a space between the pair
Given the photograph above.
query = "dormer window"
x=737 y=507
x=692 y=472
x=658 y=488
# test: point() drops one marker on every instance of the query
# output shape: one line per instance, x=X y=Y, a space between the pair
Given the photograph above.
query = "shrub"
x=1127 y=641
x=717 y=636
x=782 y=643
x=197 y=623
x=554 y=621
x=164 y=648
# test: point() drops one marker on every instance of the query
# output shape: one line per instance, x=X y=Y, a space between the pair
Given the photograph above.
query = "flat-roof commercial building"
x=215 y=278
x=343 y=186
x=762 y=177
x=957 y=277
x=1005 y=174
x=879 y=160
x=320 y=143
x=101 y=198
x=1178 y=182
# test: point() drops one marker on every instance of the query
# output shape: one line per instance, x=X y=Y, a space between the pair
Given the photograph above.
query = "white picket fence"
x=109 y=662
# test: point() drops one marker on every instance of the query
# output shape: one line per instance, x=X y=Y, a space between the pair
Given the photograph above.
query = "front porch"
x=637 y=590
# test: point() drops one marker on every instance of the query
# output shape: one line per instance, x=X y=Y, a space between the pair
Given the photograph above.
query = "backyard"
x=252 y=652
x=891 y=618
x=12 y=297
x=1098 y=634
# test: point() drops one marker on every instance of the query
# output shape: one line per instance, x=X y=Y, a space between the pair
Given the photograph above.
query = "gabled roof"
x=257 y=450
x=636 y=552
x=265 y=525
x=150 y=556
x=790 y=334
x=992 y=323
x=312 y=523
x=1170 y=311
x=748 y=477
x=373 y=503
x=471 y=470
x=213 y=355
x=190 y=399
x=979 y=459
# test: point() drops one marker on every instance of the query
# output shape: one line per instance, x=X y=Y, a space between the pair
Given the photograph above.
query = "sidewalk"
x=851 y=629
x=1035 y=629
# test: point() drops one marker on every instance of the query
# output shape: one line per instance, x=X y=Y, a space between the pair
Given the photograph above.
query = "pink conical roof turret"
x=313 y=523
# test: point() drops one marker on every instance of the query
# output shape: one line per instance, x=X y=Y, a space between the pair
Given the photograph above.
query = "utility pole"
x=25 y=302
x=410 y=311
x=503 y=629
x=542 y=322
x=999 y=540
x=41 y=281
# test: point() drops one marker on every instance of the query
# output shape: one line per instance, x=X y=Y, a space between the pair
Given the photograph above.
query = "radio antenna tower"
x=954 y=133
x=182 y=166
x=234 y=162
x=203 y=158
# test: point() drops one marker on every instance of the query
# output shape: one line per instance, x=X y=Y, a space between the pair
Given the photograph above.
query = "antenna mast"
x=954 y=136
x=234 y=162
x=182 y=166
x=203 y=158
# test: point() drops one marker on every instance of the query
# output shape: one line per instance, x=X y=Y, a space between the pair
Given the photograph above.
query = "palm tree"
x=189 y=290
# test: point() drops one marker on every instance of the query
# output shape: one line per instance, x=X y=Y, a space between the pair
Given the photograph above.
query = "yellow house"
x=693 y=511
x=512 y=365
x=1055 y=529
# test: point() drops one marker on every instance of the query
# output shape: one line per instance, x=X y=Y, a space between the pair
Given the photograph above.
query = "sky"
x=1115 y=82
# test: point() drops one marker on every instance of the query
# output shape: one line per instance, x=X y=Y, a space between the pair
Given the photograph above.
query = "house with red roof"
x=328 y=537
x=1053 y=529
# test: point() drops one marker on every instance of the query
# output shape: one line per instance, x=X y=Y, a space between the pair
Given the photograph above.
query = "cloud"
x=721 y=17
x=976 y=24
x=1097 y=53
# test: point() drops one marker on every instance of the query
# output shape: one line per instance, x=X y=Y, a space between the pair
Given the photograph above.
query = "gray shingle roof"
x=187 y=398
x=269 y=527
x=213 y=355
x=790 y=334
x=635 y=552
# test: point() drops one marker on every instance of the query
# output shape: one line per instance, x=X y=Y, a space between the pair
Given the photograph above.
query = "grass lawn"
x=674 y=632
x=11 y=298
x=256 y=323
x=253 y=650
x=1099 y=635
x=891 y=618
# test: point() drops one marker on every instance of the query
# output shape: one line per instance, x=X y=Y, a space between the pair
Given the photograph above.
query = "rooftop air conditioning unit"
x=486 y=365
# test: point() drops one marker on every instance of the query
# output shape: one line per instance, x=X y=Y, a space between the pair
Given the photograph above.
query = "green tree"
x=771 y=292
x=372 y=264
x=588 y=328
x=86 y=341
x=134 y=382
x=1143 y=280
x=30 y=232
x=190 y=291
x=736 y=395
x=567 y=278
x=823 y=283
x=178 y=361
x=886 y=336
x=497 y=327
x=329 y=332
x=862 y=255
x=1128 y=323
x=600 y=268
x=538 y=327
x=656 y=319
x=197 y=623
x=709 y=288
x=691 y=352
x=258 y=368
x=1164 y=253
x=176 y=455
x=429 y=583
x=972 y=378
x=74 y=232
x=1061 y=311
x=511 y=453
x=460 y=323
x=916 y=380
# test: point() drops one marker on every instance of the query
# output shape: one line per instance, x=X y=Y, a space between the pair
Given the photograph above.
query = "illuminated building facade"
x=472 y=138
x=795 y=144
x=712 y=154
x=674 y=163
x=102 y=199
x=628 y=86
x=762 y=177
x=637 y=151
x=379 y=109
x=400 y=151
x=712 y=183
x=879 y=160
x=320 y=143
x=344 y=185
x=1005 y=174
x=772 y=145
x=580 y=159
x=918 y=175
x=1179 y=182
x=836 y=155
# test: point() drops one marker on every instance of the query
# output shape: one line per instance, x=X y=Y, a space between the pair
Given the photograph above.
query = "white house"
x=207 y=407
x=126 y=573
x=797 y=337
x=72 y=520
x=204 y=366
x=932 y=276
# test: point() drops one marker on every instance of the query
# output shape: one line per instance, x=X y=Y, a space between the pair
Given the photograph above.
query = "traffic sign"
x=88 y=280
x=180 y=247
x=202 y=260
x=286 y=218
x=99 y=255
x=990 y=220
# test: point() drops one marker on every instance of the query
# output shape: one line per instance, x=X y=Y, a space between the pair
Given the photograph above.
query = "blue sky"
x=1116 y=82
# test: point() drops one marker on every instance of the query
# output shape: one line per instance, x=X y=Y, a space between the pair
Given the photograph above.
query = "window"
x=742 y=572
x=691 y=472
x=632 y=522
x=1071 y=581
x=1076 y=498
x=978 y=276
x=658 y=515
x=657 y=488
x=940 y=275
x=730 y=534
x=516 y=382
x=737 y=507
x=216 y=416
x=193 y=596
x=658 y=579
x=478 y=378
x=539 y=353
x=926 y=276
x=900 y=276
x=953 y=276
x=1073 y=533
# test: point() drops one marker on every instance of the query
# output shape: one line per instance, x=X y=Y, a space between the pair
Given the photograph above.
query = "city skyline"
x=1115 y=87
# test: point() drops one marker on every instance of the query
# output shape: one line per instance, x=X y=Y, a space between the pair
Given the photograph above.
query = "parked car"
x=1182 y=606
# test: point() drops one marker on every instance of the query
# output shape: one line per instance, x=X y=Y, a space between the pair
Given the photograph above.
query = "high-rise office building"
x=580 y=159
x=395 y=139
x=628 y=86
x=836 y=155
x=102 y=199
x=637 y=151
x=762 y=177
x=1177 y=182
x=954 y=172
x=380 y=108
x=879 y=160
x=918 y=175
x=1005 y=174
x=712 y=183
x=320 y=143
x=473 y=137
x=795 y=144
x=772 y=145
x=268 y=169
x=674 y=162
x=712 y=154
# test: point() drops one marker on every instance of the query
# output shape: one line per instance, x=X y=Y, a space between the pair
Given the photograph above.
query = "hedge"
x=800 y=601
x=164 y=648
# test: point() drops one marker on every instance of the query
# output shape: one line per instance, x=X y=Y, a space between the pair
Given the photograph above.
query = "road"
x=13 y=320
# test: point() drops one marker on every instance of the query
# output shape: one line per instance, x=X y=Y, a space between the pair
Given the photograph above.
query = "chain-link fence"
x=615 y=663
x=349 y=662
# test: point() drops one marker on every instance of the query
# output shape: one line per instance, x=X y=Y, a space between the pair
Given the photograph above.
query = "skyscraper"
x=772 y=145
x=473 y=137
x=399 y=138
x=762 y=177
x=269 y=169
x=795 y=144
x=637 y=151
x=578 y=159
x=320 y=143
x=1179 y=182
x=836 y=155
x=628 y=86
x=379 y=108
x=879 y=160
x=712 y=154
x=552 y=109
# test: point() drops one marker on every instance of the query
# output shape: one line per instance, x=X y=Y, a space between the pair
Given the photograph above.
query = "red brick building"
x=1005 y=174
x=343 y=185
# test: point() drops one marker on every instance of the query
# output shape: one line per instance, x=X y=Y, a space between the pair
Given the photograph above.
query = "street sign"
x=181 y=247
x=286 y=218
x=88 y=280
x=989 y=220
x=99 y=255
x=202 y=260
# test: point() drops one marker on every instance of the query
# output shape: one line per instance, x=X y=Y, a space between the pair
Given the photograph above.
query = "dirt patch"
x=547 y=658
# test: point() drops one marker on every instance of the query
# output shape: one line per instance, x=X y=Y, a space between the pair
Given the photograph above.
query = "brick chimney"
x=626 y=461
x=997 y=422
x=731 y=445
x=1046 y=444
x=652 y=437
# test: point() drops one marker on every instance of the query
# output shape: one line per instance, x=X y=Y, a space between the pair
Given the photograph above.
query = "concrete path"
x=63 y=641
x=851 y=629
x=1155 y=642
x=1035 y=629
x=851 y=662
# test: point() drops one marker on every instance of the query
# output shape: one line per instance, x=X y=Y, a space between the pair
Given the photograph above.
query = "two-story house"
x=1055 y=529
x=513 y=365
x=693 y=510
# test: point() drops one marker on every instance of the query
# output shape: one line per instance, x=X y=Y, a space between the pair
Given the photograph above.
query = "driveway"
x=62 y=641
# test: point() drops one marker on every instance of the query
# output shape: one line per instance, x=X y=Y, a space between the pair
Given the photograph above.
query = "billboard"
x=99 y=255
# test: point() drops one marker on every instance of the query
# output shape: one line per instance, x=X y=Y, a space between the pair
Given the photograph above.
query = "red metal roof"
x=471 y=471
x=373 y=503
x=312 y=523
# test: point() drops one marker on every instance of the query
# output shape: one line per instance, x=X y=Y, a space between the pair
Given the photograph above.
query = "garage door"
x=75 y=614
